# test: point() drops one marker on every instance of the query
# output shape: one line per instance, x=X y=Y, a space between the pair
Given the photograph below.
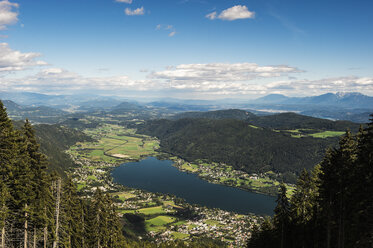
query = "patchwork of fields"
x=115 y=143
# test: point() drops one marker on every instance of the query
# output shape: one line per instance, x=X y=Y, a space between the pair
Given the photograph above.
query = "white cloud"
x=57 y=80
x=233 y=13
x=124 y=1
x=12 y=60
x=222 y=72
x=191 y=81
x=321 y=86
x=8 y=15
x=220 y=78
x=170 y=28
x=138 y=11
x=212 y=16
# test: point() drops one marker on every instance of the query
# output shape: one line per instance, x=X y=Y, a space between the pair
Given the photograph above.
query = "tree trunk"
x=98 y=234
x=3 y=237
x=282 y=235
x=83 y=229
x=45 y=237
x=25 y=237
x=328 y=227
x=58 y=199
x=34 y=236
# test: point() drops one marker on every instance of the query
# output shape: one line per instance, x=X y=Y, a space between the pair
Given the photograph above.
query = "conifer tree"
x=362 y=225
x=71 y=216
x=282 y=215
x=38 y=169
x=4 y=197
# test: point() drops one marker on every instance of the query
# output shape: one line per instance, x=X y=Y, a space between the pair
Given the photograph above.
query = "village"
x=166 y=217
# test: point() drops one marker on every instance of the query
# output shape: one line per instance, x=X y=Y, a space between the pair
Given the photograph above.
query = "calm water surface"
x=160 y=176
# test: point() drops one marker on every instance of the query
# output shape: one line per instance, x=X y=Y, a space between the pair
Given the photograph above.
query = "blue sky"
x=203 y=49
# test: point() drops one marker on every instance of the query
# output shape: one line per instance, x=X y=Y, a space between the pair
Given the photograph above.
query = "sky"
x=191 y=49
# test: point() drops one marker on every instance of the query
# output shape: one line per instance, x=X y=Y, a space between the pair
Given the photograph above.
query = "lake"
x=156 y=175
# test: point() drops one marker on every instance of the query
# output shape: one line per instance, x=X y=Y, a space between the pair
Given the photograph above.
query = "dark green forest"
x=283 y=121
x=54 y=140
x=332 y=206
x=236 y=143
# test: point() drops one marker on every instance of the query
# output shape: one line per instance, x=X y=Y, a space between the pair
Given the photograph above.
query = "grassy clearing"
x=190 y=167
x=213 y=223
x=252 y=126
x=179 y=223
x=161 y=220
x=327 y=134
x=299 y=133
x=178 y=235
x=158 y=223
x=124 y=195
x=152 y=210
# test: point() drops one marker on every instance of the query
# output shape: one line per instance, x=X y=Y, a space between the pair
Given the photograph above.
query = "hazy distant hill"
x=99 y=104
x=181 y=106
x=60 y=101
x=40 y=114
x=348 y=100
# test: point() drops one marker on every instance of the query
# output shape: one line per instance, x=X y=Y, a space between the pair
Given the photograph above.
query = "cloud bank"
x=202 y=81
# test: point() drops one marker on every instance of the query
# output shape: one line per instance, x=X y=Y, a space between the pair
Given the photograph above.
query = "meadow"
x=115 y=143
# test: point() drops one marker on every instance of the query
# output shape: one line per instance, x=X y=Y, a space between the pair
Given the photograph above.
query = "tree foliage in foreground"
x=332 y=206
x=38 y=209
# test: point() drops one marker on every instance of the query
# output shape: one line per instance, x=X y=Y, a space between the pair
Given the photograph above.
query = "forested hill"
x=284 y=121
x=237 y=114
x=295 y=121
x=54 y=140
x=237 y=143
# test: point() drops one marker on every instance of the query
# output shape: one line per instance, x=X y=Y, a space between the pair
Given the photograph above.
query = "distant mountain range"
x=353 y=106
x=39 y=114
x=346 y=100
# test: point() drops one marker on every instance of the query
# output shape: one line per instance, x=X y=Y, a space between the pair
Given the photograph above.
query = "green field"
x=124 y=195
x=159 y=223
x=178 y=235
x=299 y=133
x=115 y=143
x=149 y=211
x=327 y=134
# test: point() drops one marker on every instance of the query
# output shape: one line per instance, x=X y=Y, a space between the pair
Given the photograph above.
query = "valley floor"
x=163 y=217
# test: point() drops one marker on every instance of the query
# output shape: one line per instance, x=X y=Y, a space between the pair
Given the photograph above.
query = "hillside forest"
x=332 y=205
